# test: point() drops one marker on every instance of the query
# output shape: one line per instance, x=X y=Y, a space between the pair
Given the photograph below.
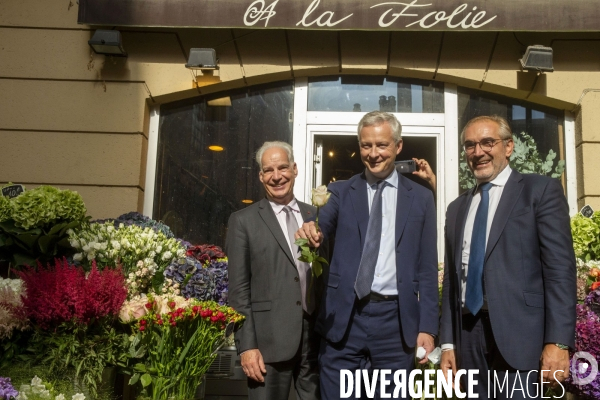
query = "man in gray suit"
x=270 y=287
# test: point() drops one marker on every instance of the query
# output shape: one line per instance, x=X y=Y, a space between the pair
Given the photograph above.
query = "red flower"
x=595 y=285
x=171 y=304
x=142 y=328
x=143 y=322
x=160 y=322
x=148 y=305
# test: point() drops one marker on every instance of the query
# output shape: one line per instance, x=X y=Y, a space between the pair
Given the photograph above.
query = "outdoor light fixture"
x=108 y=43
x=537 y=58
x=203 y=59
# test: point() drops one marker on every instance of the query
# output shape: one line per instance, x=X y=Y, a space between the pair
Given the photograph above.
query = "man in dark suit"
x=509 y=290
x=271 y=288
x=381 y=298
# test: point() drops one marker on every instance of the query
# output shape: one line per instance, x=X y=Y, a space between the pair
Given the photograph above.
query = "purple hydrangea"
x=202 y=282
x=7 y=391
x=588 y=340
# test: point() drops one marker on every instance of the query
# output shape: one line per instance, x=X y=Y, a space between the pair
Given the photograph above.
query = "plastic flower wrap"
x=192 y=279
x=141 y=252
x=10 y=306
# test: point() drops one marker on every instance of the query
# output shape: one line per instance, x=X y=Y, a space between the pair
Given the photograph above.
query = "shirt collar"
x=502 y=177
x=392 y=179
x=277 y=208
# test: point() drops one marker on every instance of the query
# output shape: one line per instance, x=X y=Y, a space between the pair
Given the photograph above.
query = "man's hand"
x=424 y=171
x=554 y=360
x=425 y=340
x=448 y=363
x=308 y=230
x=253 y=365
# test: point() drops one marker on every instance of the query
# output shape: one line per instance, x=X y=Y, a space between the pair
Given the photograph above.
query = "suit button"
x=298 y=303
x=296 y=279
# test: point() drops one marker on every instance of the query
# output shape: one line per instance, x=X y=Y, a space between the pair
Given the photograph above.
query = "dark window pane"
x=369 y=93
x=197 y=189
x=528 y=121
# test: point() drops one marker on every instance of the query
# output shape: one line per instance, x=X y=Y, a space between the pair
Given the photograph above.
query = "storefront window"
x=366 y=93
x=205 y=167
x=537 y=132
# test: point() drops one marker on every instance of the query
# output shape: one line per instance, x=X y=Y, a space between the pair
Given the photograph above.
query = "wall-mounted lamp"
x=537 y=58
x=203 y=59
x=215 y=147
x=108 y=43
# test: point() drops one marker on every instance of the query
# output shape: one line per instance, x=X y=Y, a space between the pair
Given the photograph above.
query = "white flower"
x=60 y=397
x=167 y=255
x=77 y=257
x=36 y=381
x=97 y=246
x=21 y=396
x=180 y=252
x=45 y=394
x=91 y=256
x=110 y=228
x=320 y=196
x=79 y=396
x=74 y=243
x=25 y=388
x=158 y=249
x=115 y=244
x=85 y=247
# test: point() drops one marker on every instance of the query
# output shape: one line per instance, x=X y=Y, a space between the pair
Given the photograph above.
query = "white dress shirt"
x=495 y=194
x=384 y=281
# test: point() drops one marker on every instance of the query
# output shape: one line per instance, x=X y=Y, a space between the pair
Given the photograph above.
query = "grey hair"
x=378 y=118
x=268 y=145
x=503 y=128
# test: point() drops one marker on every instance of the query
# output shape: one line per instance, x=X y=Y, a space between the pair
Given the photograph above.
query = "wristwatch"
x=562 y=346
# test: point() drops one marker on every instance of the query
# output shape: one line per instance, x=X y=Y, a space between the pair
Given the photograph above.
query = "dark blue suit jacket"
x=346 y=217
x=529 y=270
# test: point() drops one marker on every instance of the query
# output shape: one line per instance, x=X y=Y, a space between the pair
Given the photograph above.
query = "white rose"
x=320 y=196
x=158 y=249
x=74 y=243
x=78 y=257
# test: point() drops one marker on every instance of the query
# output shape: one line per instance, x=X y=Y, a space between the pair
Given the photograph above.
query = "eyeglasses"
x=485 y=145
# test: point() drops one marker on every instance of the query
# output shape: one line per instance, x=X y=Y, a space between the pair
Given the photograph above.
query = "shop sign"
x=403 y=15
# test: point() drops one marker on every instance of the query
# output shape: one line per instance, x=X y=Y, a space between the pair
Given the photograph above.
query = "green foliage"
x=5 y=208
x=21 y=373
x=80 y=351
x=524 y=159
x=586 y=236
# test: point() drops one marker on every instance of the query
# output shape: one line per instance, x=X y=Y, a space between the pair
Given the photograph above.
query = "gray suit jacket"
x=263 y=282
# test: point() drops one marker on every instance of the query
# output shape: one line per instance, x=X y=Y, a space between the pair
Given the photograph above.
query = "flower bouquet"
x=34 y=225
x=193 y=279
x=180 y=338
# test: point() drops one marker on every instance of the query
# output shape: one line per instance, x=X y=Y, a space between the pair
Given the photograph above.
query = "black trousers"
x=496 y=379
x=302 y=370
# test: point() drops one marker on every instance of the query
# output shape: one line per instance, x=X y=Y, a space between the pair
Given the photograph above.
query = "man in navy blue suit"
x=381 y=296
x=509 y=292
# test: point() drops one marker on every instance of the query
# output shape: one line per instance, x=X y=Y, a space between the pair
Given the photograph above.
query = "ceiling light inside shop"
x=215 y=148
x=247 y=201
x=222 y=102
x=331 y=154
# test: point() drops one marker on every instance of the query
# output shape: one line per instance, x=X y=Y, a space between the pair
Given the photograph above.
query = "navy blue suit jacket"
x=346 y=217
x=529 y=270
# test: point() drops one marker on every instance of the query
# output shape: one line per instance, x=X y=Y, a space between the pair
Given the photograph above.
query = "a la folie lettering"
x=456 y=19
x=259 y=11
x=325 y=19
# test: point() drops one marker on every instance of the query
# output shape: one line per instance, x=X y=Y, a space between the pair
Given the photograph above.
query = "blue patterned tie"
x=368 y=261
x=474 y=295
